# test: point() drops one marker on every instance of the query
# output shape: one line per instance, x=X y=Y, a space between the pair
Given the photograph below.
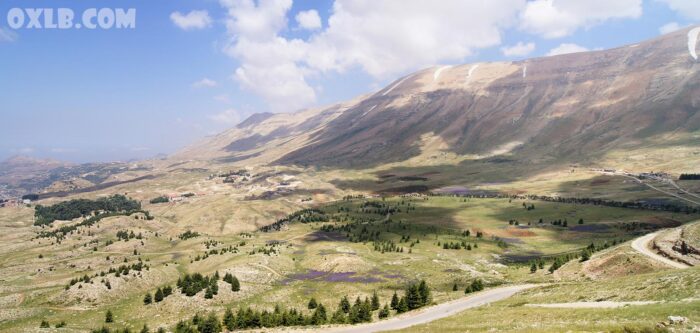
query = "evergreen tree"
x=375 y=301
x=384 y=312
x=413 y=297
x=44 y=324
x=402 y=306
x=210 y=325
x=533 y=268
x=345 y=304
x=109 y=317
x=424 y=293
x=147 y=299
x=454 y=287
x=395 y=301
x=209 y=294
x=158 y=295
x=229 y=320
x=338 y=317
x=585 y=255
x=145 y=329
x=235 y=285
x=312 y=303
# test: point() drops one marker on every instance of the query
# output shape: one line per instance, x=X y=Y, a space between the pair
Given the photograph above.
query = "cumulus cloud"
x=7 y=35
x=518 y=50
x=566 y=48
x=554 y=19
x=205 y=82
x=226 y=117
x=669 y=27
x=309 y=20
x=382 y=38
x=686 y=8
x=196 y=19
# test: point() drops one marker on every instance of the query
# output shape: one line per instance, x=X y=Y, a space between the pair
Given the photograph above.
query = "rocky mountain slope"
x=570 y=107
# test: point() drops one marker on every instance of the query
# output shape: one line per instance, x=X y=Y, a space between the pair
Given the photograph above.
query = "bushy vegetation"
x=190 y=285
x=76 y=208
x=689 y=176
x=161 y=199
x=188 y=234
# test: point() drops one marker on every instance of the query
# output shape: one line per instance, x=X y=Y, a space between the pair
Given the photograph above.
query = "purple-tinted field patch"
x=331 y=277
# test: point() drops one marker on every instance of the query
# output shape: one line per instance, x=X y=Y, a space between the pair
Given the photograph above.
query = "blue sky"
x=194 y=68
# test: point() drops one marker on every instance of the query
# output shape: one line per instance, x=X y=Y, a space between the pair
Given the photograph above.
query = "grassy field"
x=324 y=260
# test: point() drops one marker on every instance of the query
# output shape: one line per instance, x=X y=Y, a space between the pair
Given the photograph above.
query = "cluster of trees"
x=190 y=285
x=304 y=216
x=188 y=234
x=476 y=285
x=46 y=324
x=584 y=255
x=121 y=270
x=689 y=176
x=161 y=199
x=127 y=235
x=233 y=281
x=158 y=296
x=457 y=245
x=416 y=295
x=61 y=232
x=76 y=208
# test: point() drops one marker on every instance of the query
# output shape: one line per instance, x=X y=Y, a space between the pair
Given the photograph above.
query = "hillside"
x=567 y=108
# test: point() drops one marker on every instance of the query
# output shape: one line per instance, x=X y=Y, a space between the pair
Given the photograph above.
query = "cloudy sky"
x=194 y=68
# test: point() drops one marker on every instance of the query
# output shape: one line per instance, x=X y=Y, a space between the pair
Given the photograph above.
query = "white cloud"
x=518 y=50
x=196 y=19
x=554 y=19
x=205 y=82
x=382 y=38
x=7 y=35
x=566 y=48
x=309 y=20
x=669 y=27
x=686 y=8
x=227 y=117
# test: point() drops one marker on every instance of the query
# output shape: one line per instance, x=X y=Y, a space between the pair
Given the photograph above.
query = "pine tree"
x=147 y=299
x=395 y=301
x=454 y=287
x=235 y=285
x=158 y=295
x=229 y=320
x=344 y=304
x=384 y=312
x=209 y=294
x=424 y=293
x=413 y=297
x=375 y=301
x=109 y=317
x=145 y=329
x=312 y=303
x=533 y=268
x=210 y=325
x=338 y=317
x=402 y=306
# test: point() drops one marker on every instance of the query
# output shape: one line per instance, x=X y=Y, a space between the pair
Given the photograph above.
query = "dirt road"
x=643 y=246
x=428 y=314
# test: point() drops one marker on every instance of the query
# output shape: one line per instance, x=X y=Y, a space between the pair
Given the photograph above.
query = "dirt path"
x=426 y=315
x=643 y=246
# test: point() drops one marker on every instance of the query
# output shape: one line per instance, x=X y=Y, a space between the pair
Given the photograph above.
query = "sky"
x=189 y=69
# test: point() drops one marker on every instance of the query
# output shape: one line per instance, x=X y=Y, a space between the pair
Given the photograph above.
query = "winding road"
x=432 y=313
x=642 y=245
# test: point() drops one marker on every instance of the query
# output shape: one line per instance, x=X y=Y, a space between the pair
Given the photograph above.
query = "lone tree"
x=533 y=268
x=312 y=303
x=147 y=299
x=109 y=317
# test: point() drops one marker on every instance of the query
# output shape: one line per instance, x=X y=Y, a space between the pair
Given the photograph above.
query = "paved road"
x=643 y=246
x=434 y=312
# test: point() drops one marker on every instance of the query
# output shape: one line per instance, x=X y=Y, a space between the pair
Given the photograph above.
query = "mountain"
x=569 y=107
